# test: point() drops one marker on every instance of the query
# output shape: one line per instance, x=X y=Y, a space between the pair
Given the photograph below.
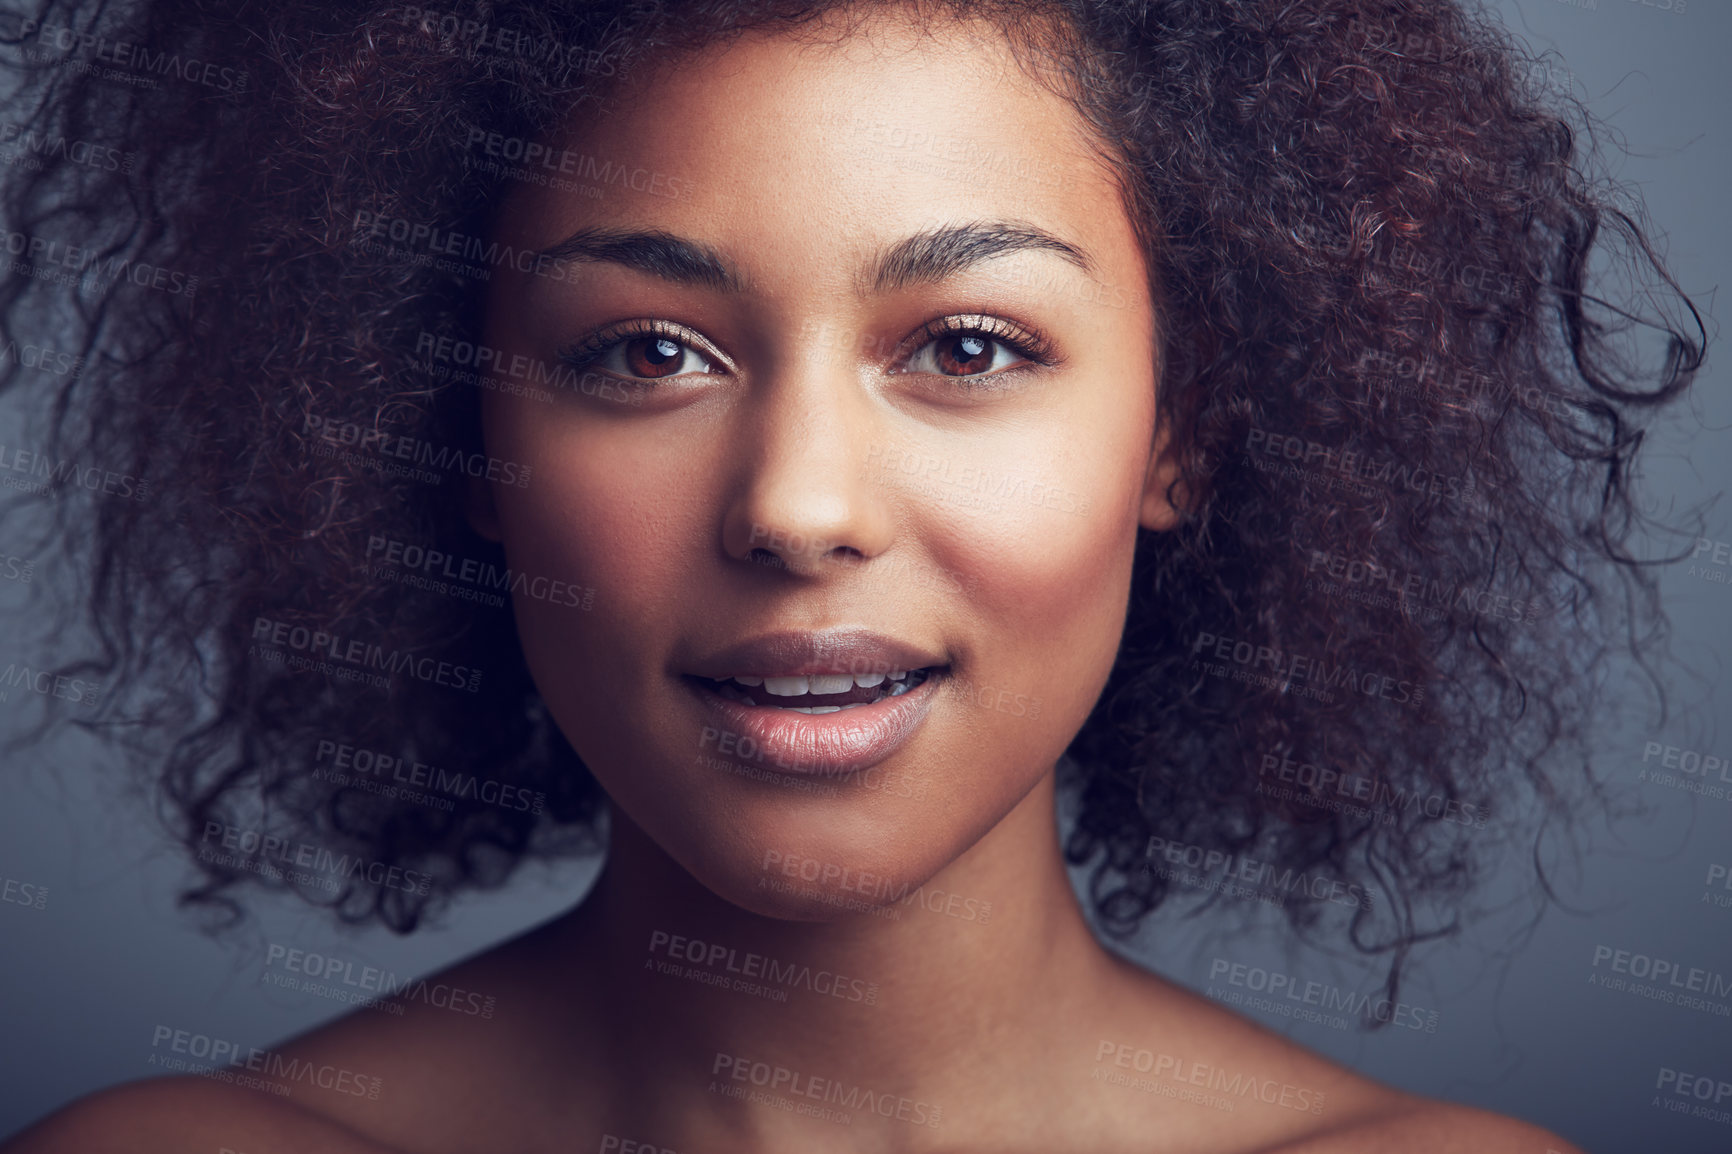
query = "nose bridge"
x=804 y=498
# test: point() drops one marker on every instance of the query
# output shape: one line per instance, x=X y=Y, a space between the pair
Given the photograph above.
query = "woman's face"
x=861 y=381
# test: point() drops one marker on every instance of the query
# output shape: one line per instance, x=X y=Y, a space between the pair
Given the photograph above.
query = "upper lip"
x=795 y=653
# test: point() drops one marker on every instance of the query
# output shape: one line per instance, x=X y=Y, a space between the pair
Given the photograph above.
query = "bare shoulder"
x=1265 y=1092
x=449 y=1059
x=430 y=1069
x=1426 y=1126
x=177 y=1115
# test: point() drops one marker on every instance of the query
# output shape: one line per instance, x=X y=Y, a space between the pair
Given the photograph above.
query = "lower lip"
x=820 y=744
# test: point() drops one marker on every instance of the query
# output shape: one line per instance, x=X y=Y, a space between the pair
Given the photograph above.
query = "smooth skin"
x=780 y=477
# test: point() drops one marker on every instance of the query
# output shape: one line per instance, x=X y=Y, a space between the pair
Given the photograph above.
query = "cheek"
x=616 y=526
x=1041 y=528
x=1048 y=616
x=614 y=520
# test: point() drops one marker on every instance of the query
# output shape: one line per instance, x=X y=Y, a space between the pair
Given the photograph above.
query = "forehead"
x=823 y=145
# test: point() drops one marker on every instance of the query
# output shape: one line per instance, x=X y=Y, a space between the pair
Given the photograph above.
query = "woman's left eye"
x=652 y=357
x=964 y=354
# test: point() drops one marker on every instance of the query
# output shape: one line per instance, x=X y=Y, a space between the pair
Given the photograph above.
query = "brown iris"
x=654 y=356
x=964 y=354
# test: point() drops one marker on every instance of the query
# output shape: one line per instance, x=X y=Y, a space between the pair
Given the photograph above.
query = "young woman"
x=884 y=419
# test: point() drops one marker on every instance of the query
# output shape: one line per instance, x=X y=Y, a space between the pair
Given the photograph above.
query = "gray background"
x=84 y=980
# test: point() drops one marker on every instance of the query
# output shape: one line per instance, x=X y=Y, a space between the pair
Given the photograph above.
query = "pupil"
x=966 y=355
x=662 y=350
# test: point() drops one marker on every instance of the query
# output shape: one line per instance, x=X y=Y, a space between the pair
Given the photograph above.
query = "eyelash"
x=590 y=349
x=1034 y=347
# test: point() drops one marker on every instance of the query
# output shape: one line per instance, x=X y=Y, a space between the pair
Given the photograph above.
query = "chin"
x=819 y=865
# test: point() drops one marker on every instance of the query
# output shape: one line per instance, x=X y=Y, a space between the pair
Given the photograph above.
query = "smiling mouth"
x=819 y=692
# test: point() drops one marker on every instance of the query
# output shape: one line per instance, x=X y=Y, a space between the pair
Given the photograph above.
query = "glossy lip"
x=796 y=653
x=826 y=744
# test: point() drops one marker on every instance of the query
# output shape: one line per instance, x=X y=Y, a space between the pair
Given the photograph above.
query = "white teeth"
x=817 y=683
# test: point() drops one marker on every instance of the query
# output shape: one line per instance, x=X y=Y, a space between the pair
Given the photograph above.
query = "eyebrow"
x=661 y=254
x=924 y=258
x=933 y=255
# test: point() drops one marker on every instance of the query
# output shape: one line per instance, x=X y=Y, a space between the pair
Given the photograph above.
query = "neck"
x=987 y=960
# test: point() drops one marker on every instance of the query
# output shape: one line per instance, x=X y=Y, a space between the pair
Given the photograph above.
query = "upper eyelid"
x=1027 y=343
x=606 y=337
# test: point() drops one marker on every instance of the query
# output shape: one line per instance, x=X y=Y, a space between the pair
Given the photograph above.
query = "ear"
x=480 y=509
x=1159 y=511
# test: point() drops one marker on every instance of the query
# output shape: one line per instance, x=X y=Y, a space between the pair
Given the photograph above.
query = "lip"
x=822 y=744
x=793 y=653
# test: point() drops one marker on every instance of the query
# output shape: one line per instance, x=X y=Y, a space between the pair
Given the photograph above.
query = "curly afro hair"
x=1406 y=422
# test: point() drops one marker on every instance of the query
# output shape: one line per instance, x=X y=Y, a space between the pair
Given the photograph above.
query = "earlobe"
x=1162 y=502
x=480 y=509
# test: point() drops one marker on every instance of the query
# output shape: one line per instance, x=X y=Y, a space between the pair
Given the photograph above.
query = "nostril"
x=765 y=557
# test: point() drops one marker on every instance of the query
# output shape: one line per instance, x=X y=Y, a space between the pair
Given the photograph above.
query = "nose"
x=804 y=499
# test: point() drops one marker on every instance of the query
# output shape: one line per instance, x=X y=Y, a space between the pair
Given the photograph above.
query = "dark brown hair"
x=1407 y=424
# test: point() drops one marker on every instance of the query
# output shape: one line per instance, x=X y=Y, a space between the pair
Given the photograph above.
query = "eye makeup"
x=963 y=347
